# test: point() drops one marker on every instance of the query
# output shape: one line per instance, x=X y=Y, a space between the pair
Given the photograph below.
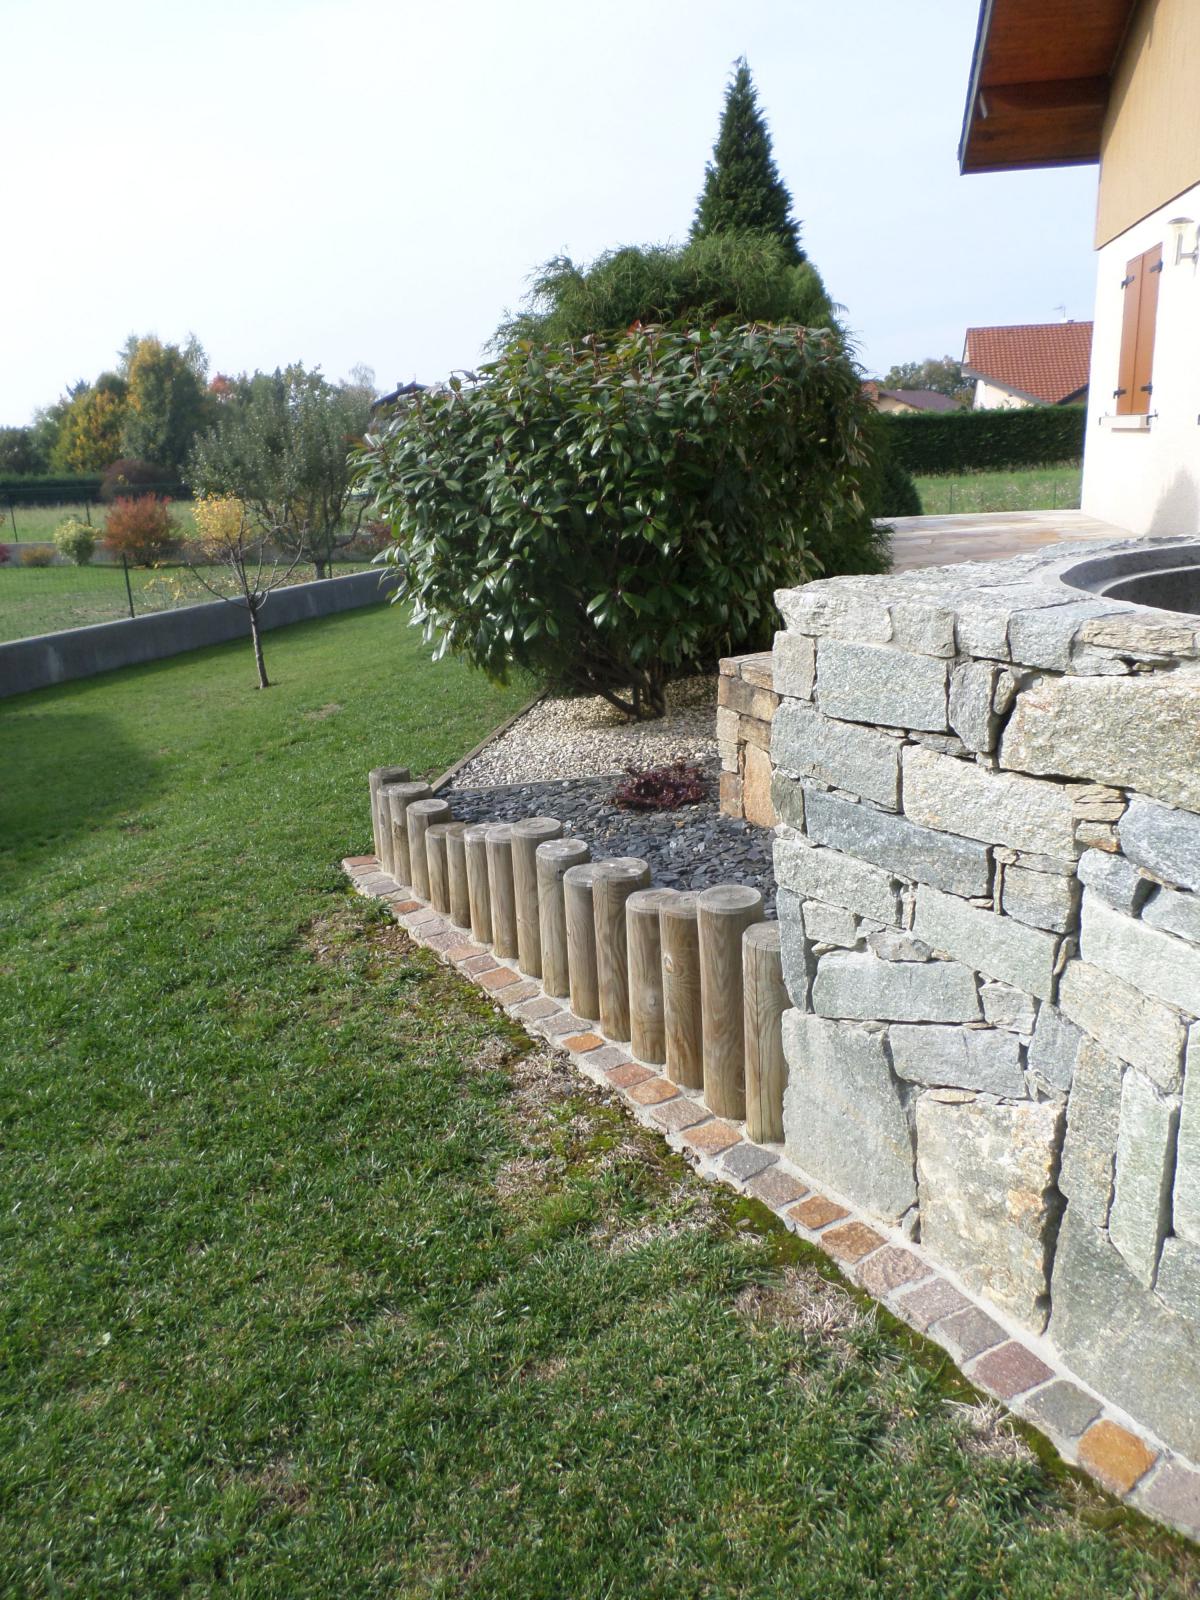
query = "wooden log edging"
x=1020 y=1370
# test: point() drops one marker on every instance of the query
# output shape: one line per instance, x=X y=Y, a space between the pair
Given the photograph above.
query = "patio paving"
x=989 y=536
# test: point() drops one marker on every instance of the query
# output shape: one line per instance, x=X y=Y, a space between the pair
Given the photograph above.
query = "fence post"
x=766 y=1001
x=526 y=837
x=438 y=867
x=456 y=863
x=419 y=817
x=581 y=940
x=722 y=916
x=12 y=511
x=681 y=991
x=615 y=881
x=478 y=890
x=647 y=1025
x=396 y=799
x=501 y=890
x=553 y=859
x=376 y=779
x=128 y=585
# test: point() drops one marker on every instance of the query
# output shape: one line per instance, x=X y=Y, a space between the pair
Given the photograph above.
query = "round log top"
x=455 y=828
x=584 y=873
x=437 y=830
x=648 y=900
x=537 y=828
x=682 y=904
x=407 y=791
x=390 y=775
x=762 y=935
x=499 y=832
x=476 y=832
x=729 y=900
x=432 y=807
x=623 y=868
x=563 y=853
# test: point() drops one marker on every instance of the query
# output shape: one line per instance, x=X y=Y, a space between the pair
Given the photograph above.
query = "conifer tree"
x=742 y=187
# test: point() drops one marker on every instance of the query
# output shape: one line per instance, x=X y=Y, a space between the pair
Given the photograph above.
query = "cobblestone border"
x=1020 y=1371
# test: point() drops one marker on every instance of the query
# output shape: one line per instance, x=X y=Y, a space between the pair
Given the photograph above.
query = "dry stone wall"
x=746 y=705
x=988 y=856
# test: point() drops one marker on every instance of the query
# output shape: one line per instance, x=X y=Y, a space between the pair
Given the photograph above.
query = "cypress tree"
x=742 y=187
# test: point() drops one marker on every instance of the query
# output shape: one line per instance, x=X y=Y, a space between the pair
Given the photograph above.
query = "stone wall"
x=746 y=704
x=988 y=858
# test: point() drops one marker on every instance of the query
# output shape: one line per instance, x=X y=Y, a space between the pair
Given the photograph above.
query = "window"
x=1134 y=380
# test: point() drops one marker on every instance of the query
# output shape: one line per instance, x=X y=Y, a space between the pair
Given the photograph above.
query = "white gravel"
x=585 y=737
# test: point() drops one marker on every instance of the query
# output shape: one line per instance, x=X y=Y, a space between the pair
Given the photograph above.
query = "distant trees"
x=166 y=402
x=281 y=445
x=19 y=452
x=943 y=374
x=743 y=192
x=89 y=430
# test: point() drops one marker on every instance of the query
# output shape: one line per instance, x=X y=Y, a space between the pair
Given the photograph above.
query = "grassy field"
x=25 y=524
x=1030 y=489
x=319 y=1281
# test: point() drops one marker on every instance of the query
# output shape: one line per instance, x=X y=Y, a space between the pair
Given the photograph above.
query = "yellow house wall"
x=1150 y=149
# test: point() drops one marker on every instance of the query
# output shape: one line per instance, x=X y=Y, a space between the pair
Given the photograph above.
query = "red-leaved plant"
x=660 y=788
x=141 y=530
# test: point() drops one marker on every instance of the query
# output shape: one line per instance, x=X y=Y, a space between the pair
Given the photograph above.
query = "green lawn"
x=1027 y=489
x=24 y=524
x=319 y=1282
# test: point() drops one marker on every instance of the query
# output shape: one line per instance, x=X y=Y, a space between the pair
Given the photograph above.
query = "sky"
x=372 y=181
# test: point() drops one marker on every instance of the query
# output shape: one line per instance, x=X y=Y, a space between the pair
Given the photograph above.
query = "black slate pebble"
x=693 y=847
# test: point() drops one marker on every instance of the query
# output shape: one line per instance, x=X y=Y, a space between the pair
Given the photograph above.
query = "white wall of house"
x=995 y=397
x=1147 y=477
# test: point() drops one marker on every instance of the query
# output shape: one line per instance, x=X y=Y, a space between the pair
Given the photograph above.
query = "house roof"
x=1046 y=362
x=920 y=399
x=1040 y=81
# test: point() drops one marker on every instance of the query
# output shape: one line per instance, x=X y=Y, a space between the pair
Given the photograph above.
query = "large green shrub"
x=612 y=512
x=971 y=441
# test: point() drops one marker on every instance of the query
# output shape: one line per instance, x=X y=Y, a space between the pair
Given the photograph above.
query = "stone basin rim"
x=1157 y=575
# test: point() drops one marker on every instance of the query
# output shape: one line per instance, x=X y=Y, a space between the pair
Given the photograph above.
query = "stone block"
x=1054 y=1047
x=837 y=879
x=1006 y=1007
x=970 y=1332
x=1135 y=733
x=1142 y=1031
x=730 y=790
x=1172 y=911
x=930 y=1303
x=776 y=1188
x=1114 y=879
x=756 y=732
x=711 y=1137
x=869 y=683
x=795 y=949
x=960 y=1058
x=889 y=1269
x=1187 y=1161
x=757 y=805
x=843 y=754
x=854 y=984
x=1090 y=1142
x=1114 y=1456
x=1043 y=636
x=998 y=946
x=818 y=1211
x=1120 y=1338
x=890 y=944
x=972 y=713
x=1155 y=963
x=960 y=866
x=1063 y=1408
x=729 y=726
x=1042 y=899
x=758 y=669
x=963 y=798
x=1010 y=1370
x=851 y=1242
x=1164 y=842
x=787 y=797
x=989 y=1203
x=844 y=609
x=1174 y=1496
x=830 y=925
x=794 y=665
x=844 y=1116
x=746 y=1160
x=1178 y=1281
x=1145 y=1166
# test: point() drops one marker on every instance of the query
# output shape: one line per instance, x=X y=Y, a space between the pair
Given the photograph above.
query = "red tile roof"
x=1045 y=361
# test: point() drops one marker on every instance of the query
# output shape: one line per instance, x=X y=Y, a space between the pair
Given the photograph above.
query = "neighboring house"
x=1115 y=81
x=908 y=399
x=1028 y=364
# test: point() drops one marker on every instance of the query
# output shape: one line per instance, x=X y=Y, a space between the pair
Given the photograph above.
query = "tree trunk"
x=263 y=681
x=322 y=568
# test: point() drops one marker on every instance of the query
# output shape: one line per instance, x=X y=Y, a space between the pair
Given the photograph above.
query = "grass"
x=26 y=524
x=1027 y=489
x=319 y=1281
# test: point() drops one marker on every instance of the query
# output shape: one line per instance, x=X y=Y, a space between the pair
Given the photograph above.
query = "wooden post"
x=553 y=859
x=722 y=916
x=526 y=837
x=398 y=798
x=419 y=816
x=500 y=888
x=647 y=1028
x=456 y=864
x=376 y=778
x=581 y=940
x=616 y=879
x=479 y=894
x=681 y=991
x=438 y=867
x=766 y=1001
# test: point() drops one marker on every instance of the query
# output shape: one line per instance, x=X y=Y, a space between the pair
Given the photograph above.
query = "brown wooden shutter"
x=1132 y=288
x=1143 y=366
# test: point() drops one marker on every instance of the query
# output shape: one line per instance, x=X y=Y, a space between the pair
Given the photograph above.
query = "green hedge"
x=977 y=441
x=67 y=489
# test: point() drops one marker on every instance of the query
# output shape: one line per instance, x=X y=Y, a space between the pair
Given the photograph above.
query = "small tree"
x=281 y=445
x=742 y=187
x=76 y=540
x=141 y=530
x=226 y=539
x=610 y=513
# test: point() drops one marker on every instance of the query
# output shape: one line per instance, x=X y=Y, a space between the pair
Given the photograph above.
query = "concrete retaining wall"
x=83 y=652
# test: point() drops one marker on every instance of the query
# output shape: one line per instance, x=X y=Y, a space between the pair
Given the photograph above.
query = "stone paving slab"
x=1019 y=1370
